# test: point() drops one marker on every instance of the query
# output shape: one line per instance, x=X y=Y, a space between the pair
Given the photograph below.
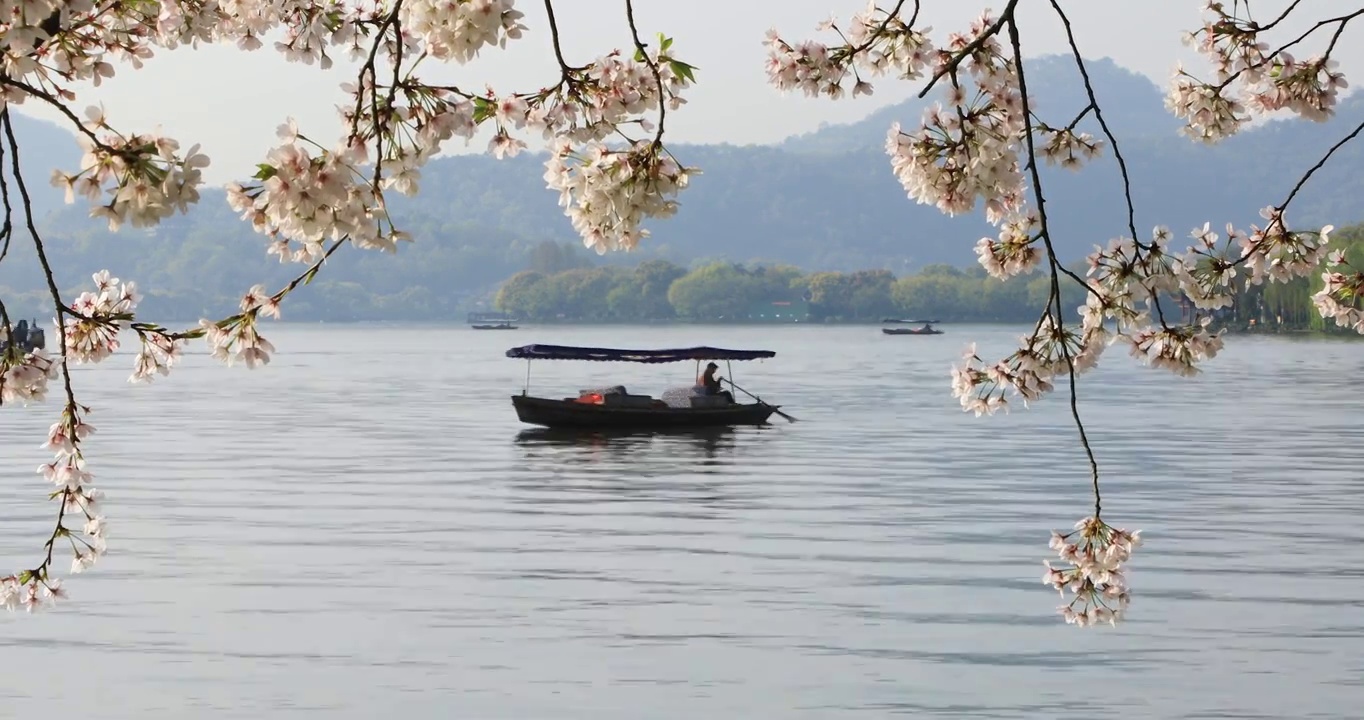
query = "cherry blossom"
x=1095 y=579
x=1250 y=77
x=308 y=197
x=979 y=147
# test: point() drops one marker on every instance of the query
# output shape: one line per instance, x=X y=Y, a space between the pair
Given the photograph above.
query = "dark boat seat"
x=613 y=390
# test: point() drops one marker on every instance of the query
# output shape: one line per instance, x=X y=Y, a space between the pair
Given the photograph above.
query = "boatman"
x=710 y=385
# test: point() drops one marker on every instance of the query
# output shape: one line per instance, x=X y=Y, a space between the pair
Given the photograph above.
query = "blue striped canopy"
x=566 y=352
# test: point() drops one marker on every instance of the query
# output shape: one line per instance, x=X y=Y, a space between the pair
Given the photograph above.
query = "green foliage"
x=729 y=292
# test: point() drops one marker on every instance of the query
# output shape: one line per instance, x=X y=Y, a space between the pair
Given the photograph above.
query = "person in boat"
x=20 y=336
x=710 y=385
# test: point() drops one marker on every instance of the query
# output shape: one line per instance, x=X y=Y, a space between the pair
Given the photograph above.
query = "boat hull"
x=907 y=331
x=568 y=414
x=494 y=327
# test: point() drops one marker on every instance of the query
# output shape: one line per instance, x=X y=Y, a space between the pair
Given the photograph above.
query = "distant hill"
x=820 y=201
x=1134 y=106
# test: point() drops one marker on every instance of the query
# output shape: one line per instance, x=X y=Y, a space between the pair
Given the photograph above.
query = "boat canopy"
x=565 y=352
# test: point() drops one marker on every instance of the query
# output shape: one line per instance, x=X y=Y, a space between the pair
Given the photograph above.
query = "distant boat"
x=927 y=328
x=491 y=321
x=28 y=337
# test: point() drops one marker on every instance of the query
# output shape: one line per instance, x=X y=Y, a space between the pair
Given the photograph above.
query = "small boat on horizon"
x=927 y=328
x=616 y=408
x=491 y=321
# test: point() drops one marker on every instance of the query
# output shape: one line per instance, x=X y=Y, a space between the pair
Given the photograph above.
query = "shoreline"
x=1303 y=333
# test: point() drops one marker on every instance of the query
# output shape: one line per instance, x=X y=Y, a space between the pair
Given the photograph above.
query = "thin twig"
x=554 y=38
x=951 y=65
x=1282 y=16
x=658 y=77
x=61 y=107
x=1051 y=254
x=1303 y=181
x=71 y=405
x=7 y=230
x=1112 y=140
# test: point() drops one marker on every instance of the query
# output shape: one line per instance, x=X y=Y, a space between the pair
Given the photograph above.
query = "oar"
x=760 y=400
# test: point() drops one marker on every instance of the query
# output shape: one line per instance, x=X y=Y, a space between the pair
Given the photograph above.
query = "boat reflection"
x=692 y=472
x=618 y=443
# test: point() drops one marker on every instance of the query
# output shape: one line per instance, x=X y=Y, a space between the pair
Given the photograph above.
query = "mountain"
x=1058 y=94
x=825 y=200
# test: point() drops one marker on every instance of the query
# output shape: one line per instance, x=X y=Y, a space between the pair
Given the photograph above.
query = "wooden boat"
x=491 y=321
x=927 y=328
x=609 y=410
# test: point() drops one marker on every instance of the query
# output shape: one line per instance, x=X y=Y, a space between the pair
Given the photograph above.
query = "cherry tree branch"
x=950 y=67
x=7 y=229
x=69 y=414
x=1320 y=163
x=1045 y=233
x=61 y=107
x=1113 y=142
x=1282 y=16
x=653 y=66
x=564 y=69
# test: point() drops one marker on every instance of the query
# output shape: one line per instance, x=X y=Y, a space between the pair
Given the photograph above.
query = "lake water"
x=362 y=531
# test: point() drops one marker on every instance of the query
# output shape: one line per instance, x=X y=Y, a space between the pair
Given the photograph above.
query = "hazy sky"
x=231 y=102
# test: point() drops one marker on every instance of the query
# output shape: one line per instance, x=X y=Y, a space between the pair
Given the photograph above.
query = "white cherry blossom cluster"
x=302 y=201
x=1094 y=576
x=1277 y=254
x=1205 y=271
x=1052 y=350
x=1339 y=297
x=1015 y=252
x=458 y=30
x=594 y=102
x=158 y=353
x=26 y=591
x=876 y=41
x=91 y=333
x=36 y=588
x=1067 y=148
x=607 y=193
x=1250 y=77
x=1177 y=349
x=1127 y=278
x=140 y=179
x=80 y=499
x=24 y=375
x=967 y=150
x=237 y=341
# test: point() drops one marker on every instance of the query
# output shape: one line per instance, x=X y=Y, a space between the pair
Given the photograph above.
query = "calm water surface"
x=364 y=530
